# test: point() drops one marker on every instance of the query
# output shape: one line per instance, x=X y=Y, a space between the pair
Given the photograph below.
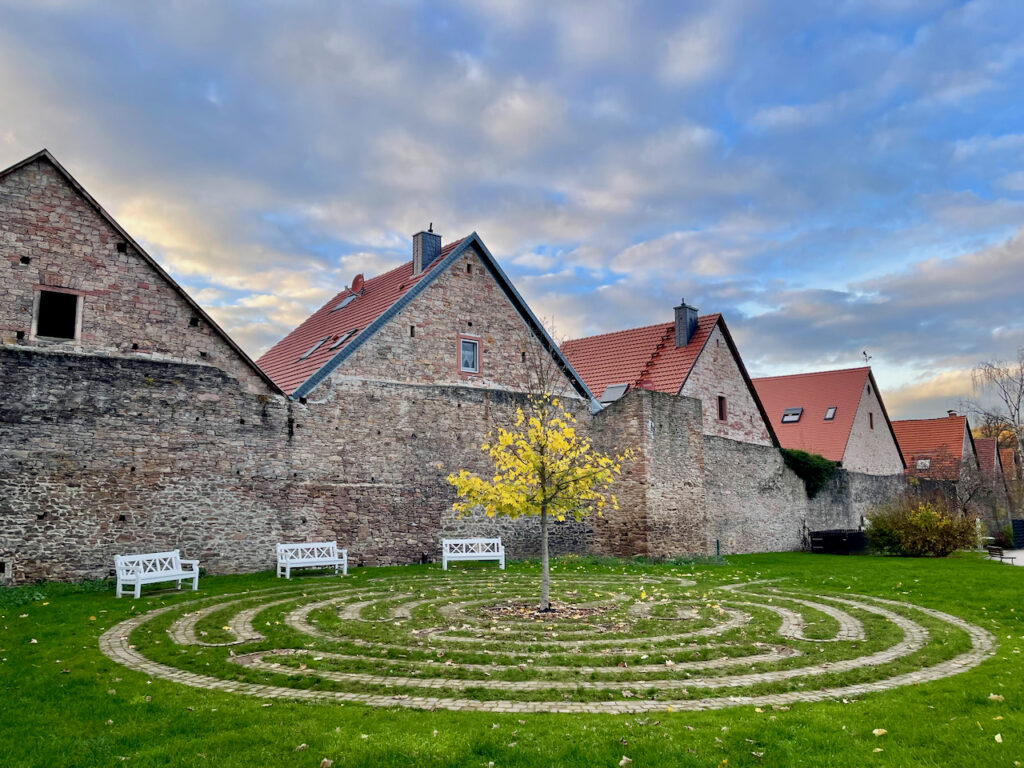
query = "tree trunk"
x=545 y=578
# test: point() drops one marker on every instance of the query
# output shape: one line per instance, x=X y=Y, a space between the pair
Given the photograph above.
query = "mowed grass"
x=65 y=704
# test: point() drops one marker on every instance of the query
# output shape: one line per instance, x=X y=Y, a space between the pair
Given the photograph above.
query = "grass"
x=66 y=704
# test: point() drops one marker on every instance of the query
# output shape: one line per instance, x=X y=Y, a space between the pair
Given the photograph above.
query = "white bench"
x=153 y=568
x=323 y=554
x=472 y=549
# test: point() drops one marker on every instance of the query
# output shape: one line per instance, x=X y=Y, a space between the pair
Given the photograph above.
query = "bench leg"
x=138 y=589
x=120 y=588
x=195 y=582
x=179 y=583
x=503 y=562
x=444 y=563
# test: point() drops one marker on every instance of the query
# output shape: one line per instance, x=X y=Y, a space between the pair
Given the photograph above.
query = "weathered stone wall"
x=871 y=448
x=849 y=497
x=714 y=374
x=128 y=308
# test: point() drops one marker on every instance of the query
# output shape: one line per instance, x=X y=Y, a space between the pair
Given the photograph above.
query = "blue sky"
x=831 y=176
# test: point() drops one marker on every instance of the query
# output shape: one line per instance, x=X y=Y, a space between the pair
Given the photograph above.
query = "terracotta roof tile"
x=284 y=361
x=988 y=458
x=815 y=393
x=641 y=357
x=940 y=441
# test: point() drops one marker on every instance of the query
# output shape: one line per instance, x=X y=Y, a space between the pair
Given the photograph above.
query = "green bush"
x=912 y=527
x=813 y=469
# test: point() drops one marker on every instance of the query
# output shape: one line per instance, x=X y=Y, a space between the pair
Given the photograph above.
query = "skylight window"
x=344 y=302
x=343 y=338
x=924 y=463
x=315 y=347
x=613 y=392
x=792 y=415
x=830 y=413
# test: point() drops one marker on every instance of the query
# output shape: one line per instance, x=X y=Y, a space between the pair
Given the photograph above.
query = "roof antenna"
x=431 y=227
x=867 y=357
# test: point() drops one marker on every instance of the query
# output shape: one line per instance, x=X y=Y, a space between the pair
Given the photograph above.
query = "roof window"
x=613 y=392
x=315 y=347
x=924 y=463
x=830 y=413
x=344 y=302
x=343 y=338
x=792 y=415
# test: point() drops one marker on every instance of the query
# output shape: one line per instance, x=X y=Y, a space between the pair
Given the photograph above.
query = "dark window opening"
x=25 y=259
x=20 y=335
x=3 y=566
x=792 y=415
x=193 y=322
x=203 y=355
x=412 y=331
x=122 y=247
x=57 y=315
x=40 y=516
x=135 y=345
x=723 y=411
x=522 y=357
x=871 y=420
x=869 y=389
x=122 y=518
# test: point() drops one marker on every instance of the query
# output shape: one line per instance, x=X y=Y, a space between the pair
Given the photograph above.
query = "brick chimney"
x=686 y=323
x=951 y=413
x=426 y=247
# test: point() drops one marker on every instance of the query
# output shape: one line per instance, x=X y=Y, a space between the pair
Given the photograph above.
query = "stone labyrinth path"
x=471 y=640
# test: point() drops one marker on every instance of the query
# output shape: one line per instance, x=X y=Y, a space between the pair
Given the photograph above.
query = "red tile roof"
x=941 y=441
x=815 y=393
x=644 y=358
x=988 y=457
x=1009 y=462
x=283 y=362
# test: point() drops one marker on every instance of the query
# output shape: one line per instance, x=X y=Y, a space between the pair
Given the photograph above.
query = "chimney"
x=686 y=323
x=951 y=413
x=426 y=247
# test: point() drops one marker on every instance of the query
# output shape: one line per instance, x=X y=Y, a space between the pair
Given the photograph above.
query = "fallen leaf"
x=624 y=761
x=995 y=697
x=326 y=763
x=879 y=731
x=301 y=747
x=999 y=738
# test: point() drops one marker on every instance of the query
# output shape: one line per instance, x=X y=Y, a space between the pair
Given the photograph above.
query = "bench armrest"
x=190 y=562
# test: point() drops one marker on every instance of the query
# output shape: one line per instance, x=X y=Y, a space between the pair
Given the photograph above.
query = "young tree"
x=542 y=466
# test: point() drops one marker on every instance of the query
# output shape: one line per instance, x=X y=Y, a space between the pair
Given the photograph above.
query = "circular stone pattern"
x=470 y=640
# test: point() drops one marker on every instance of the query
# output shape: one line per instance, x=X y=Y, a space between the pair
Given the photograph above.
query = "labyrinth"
x=472 y=640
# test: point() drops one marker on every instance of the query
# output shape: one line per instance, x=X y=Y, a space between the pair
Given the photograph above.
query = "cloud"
x=699 y=47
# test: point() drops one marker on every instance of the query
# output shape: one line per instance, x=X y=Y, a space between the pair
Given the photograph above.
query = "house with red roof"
x=1008 y=461
x=693 y=356
x=835 y=414
x=937 y=449
x=448 y=316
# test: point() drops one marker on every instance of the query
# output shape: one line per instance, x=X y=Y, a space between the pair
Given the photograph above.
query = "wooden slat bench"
x=996 y=553
x=153 y=568
x=472 y=549
x=309 y=554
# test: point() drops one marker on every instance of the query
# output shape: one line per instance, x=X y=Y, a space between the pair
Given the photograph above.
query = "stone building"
x=132 y=422
x=836 y=414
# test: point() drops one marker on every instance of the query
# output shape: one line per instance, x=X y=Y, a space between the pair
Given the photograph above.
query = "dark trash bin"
x=839 y=541
x=1018 y=534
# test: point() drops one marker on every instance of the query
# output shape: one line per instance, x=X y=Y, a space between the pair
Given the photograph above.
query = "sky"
x=834 y=176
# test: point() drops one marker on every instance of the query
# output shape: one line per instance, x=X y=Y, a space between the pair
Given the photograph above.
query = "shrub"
x=813 y=469
x=912 y=527
x=1004 y=537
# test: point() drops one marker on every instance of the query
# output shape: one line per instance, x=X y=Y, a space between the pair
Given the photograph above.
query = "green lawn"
x=65 y=703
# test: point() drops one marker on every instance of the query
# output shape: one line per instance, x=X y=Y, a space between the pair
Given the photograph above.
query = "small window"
x=342 y=339
x=830 y=413
x=469 y=356
x=469 y=269
x=723 y=411
x=315 y=347
x=58 y=315
x=924 y=463
x=869 y=389
x=871 y=420
x=344 y=302
x=792 y=415
x=412 y=331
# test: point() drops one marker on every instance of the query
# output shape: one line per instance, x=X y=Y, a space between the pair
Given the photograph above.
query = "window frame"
x=787 y=413
x=474 y=340
x=830 y=412
x=36 y=305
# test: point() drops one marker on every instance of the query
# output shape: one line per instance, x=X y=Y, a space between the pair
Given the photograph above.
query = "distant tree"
x=999 y=396
x=544 y=467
